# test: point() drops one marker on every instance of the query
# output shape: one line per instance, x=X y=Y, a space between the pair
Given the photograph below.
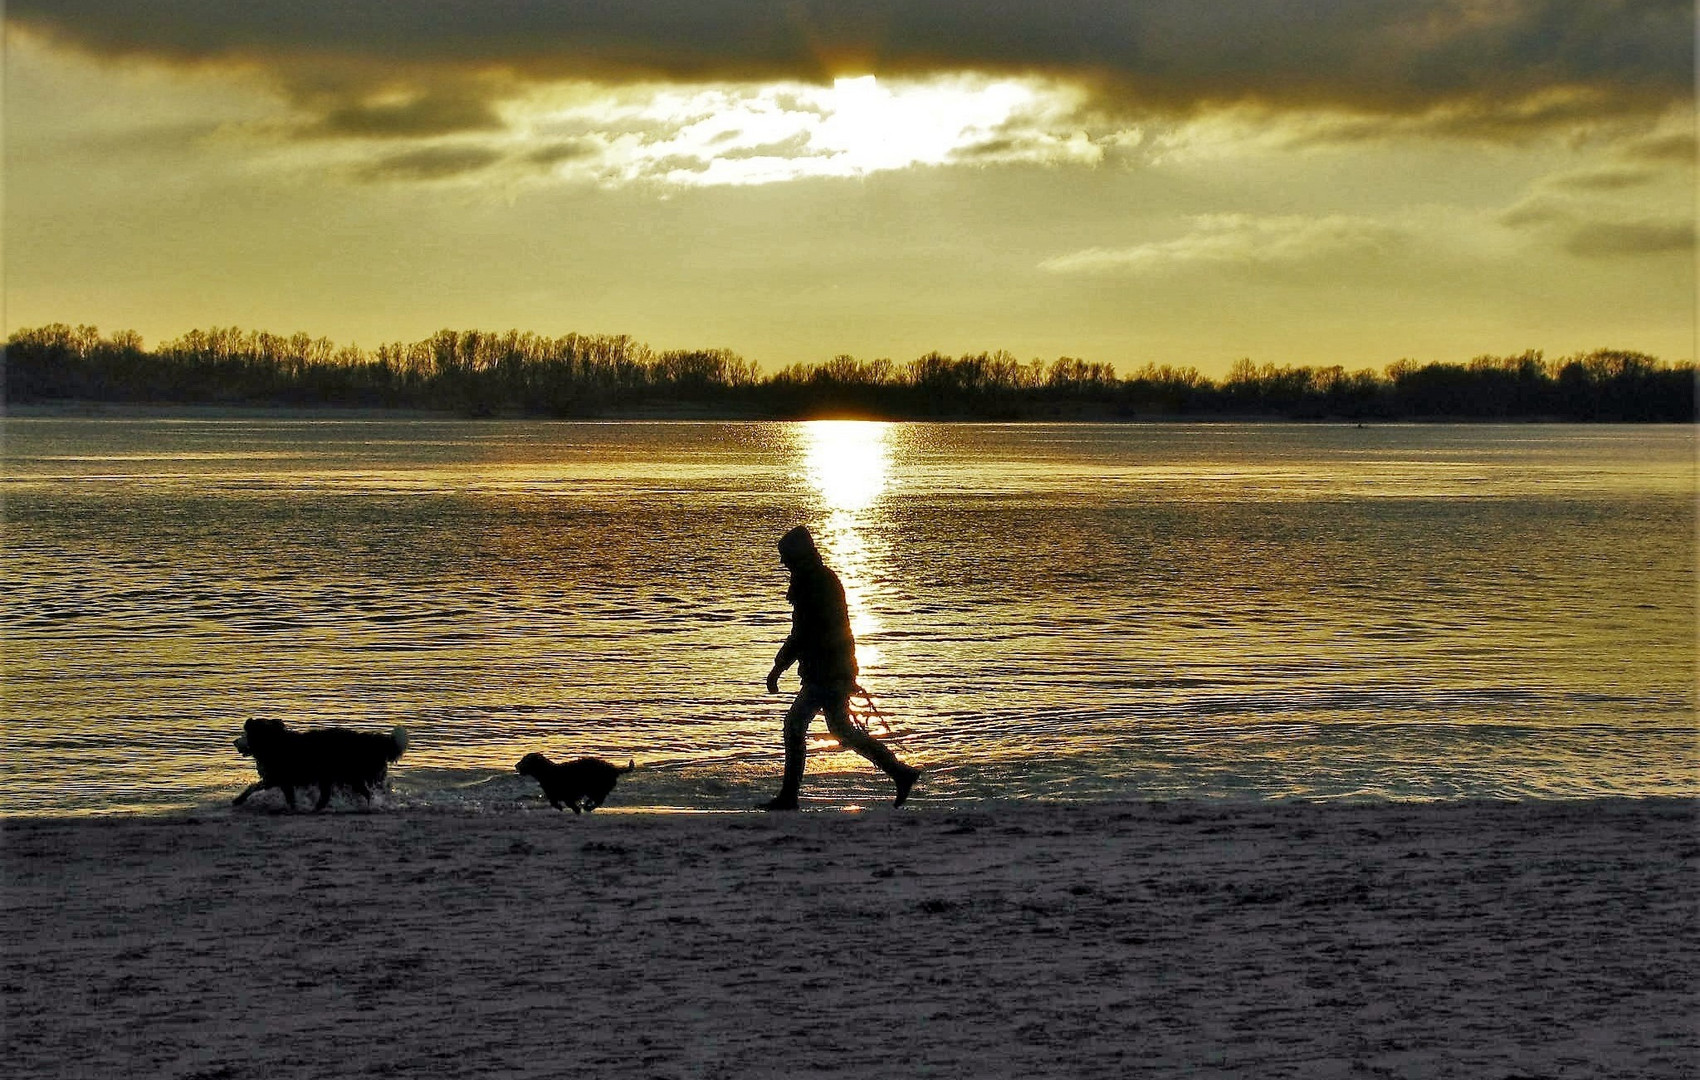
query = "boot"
x=796 y=751
x=904 y=778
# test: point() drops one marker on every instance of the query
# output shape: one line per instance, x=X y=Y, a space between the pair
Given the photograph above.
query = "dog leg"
x=258 y=785
x=324 y=797
x=289 y=795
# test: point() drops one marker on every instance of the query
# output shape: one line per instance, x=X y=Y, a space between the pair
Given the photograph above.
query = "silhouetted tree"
x=481 y=372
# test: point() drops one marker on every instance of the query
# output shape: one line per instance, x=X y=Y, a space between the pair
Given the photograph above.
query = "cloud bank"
x=1591 y=229
x=1392 y=57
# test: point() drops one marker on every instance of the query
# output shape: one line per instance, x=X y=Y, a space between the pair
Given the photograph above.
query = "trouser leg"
x=797 y=718
x=848 y=734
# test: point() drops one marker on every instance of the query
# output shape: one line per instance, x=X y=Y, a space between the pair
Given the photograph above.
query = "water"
x=1044 y=611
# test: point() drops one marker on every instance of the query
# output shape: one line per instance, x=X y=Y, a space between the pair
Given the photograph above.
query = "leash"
x=859 y=717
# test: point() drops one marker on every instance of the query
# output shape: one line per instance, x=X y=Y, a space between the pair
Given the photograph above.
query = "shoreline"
x=531 y=806
x=268 y=805
x=1482 y=938
x=78 y=409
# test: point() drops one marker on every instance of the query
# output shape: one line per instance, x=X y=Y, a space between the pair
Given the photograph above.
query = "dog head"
x=258 y=731
x=532 y=765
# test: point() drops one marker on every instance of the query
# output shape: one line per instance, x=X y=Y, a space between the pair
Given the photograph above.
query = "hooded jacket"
x=820 y=642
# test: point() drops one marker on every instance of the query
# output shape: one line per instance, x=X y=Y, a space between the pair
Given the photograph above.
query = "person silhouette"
x=824 y=650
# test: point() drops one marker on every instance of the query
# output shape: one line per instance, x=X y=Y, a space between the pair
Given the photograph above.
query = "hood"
x=797 y=548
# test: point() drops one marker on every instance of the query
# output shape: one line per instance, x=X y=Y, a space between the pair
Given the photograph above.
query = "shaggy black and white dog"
x=581 y=783
x=326 y=758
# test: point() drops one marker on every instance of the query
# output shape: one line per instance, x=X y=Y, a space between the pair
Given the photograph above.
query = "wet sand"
x=1480 y=940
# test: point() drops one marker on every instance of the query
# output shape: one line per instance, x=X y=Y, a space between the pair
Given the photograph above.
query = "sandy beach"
x=1493 y=940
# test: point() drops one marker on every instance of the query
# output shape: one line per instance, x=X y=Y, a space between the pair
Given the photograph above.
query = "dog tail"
x=398 y=741
x=630 y=765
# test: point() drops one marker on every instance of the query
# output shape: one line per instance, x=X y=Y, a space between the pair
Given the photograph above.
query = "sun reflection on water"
x=848 y=463
x=1221 y=611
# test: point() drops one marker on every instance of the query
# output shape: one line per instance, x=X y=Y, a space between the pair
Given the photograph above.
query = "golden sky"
x=1178 y=182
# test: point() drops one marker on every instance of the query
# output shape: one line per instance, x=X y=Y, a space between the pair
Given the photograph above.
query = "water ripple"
x=1044 y=612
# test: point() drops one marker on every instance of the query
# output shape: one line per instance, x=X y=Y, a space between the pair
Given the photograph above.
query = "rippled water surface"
x=1044 y=611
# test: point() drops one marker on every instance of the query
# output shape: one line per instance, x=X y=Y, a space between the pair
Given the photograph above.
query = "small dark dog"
x=326 y=758
x=581 y=783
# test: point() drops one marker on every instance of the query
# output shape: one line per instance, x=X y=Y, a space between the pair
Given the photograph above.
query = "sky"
x=1177 y=182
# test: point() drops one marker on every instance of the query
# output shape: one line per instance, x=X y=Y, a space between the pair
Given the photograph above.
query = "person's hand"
x=773 y=682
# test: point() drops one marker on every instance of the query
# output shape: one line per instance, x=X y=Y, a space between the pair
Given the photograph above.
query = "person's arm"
x=787 y=656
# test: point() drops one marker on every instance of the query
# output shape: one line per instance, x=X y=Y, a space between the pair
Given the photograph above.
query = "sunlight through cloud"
x=760 y=134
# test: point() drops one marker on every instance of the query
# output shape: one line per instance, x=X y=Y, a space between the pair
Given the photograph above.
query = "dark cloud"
x=411 y=117
x=1605 y=180
x=555 y=153
x=1374 y=56
x=1679 y=147
x=429 y=163
x=990 y=149
x=1478 y=118
x=1603 y=239
x=1592 y=229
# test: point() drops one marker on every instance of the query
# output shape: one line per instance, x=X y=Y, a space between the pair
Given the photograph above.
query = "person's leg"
x=797 y=718
x=849 y=734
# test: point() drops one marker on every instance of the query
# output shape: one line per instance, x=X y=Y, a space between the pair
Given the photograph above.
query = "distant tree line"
x=478 y=373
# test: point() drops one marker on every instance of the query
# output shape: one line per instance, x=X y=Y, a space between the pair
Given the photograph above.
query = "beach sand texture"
x=1480 y=940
